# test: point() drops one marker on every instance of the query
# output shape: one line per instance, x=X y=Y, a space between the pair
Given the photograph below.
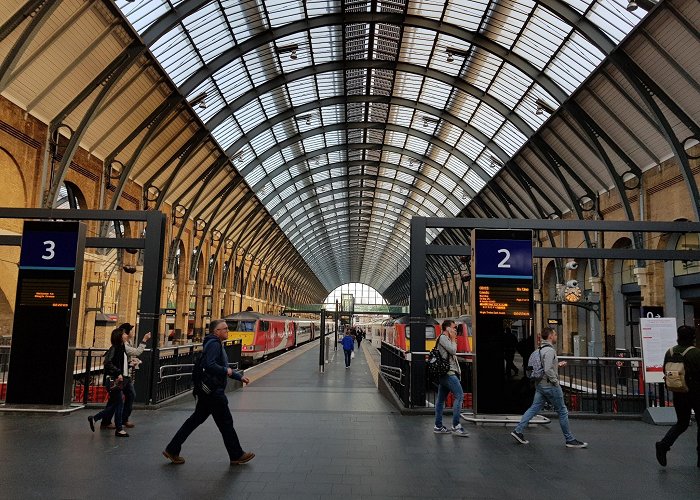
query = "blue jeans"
x=348 y=353
x=448 y=383
x=216 y=405
x=555 y=396
x=115 y=406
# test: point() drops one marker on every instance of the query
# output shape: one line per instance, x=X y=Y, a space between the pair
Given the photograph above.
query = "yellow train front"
x=397 y=332
x=260 y=334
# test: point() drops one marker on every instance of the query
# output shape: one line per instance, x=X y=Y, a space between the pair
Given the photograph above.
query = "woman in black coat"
x=116 y=365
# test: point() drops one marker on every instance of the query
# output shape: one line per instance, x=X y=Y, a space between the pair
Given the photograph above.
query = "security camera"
x=572 y=265
x=572 y=283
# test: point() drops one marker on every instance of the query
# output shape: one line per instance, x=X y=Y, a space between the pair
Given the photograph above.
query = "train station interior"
x=307 y=168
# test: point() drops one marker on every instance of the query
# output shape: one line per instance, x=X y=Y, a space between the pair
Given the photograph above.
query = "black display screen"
x=507 y=300
x=45 y=292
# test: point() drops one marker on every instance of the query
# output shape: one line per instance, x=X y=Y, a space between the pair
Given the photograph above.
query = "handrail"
x=233 y=365
x=396 y=378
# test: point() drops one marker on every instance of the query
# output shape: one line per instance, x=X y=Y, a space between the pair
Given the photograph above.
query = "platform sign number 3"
x=47 y=246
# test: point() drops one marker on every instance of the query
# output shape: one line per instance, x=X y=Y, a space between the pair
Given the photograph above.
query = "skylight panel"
x=459 y=168
x=576 y=60
x=397 y=139
x=463 y=105
x=177 y=55
x=333 y=114
x=329 y=84
x=302 y=91
x=451 y=207
x=213 y=101
x=233 y=80
x=143 y=14
x=283 y=12
x=506 y=21
x=541 y=38
x=255 y=175
x=474 y=181
x=326 y=43
x=245 y=18
x=274 y=102
x=487 y=119
x=227 y=132
x=263 y=141
x=407 y=85
x=466 y=14
x=614 y=19
x=510 y=138
x=321 y=7
x=404 y=176
x=250 y=115
x=261 y=63
x=510 y=85
x=400 y=115
x=435 y=93
x=273 y=162
x=416 y=46
x=209 y=31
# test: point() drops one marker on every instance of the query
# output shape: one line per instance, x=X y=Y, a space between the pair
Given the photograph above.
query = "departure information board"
x=503 y=278
x=45 y=292
x=510 y=300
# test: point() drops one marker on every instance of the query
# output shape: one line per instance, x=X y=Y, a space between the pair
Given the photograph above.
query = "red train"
x=397 y=332
x=263 y=334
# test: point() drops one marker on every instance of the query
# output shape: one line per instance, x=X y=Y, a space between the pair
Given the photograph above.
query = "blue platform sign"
x=504 y=258
x=50 y=246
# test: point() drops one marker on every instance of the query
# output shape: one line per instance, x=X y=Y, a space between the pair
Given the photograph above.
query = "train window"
x=429 y=332
x=241 y=326
x=264 y=326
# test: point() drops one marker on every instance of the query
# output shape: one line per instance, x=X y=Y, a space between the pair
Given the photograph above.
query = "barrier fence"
x=170 y=374
x=590 y=384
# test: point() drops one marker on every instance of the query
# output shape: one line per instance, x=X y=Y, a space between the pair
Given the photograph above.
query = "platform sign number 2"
x=504 y=263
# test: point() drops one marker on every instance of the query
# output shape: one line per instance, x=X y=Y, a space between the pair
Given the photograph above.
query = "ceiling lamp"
x=450 y=56
x=199 y=100
x=632 y=5
x=542 y=107
x=288 y=49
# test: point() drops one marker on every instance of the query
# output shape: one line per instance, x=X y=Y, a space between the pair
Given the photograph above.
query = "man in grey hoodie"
x=548 y=389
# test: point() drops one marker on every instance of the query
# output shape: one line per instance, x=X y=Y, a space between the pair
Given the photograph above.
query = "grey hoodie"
x=448 y=350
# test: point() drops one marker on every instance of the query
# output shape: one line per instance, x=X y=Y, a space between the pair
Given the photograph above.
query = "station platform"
x=332 y=435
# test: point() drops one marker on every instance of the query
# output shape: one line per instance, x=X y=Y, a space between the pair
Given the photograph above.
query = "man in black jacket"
x=683 y=402
x=214 y=403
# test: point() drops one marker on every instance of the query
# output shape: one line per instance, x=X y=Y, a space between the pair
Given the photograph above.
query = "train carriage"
x=260 y=334
x=397 y=332
x=306 y=330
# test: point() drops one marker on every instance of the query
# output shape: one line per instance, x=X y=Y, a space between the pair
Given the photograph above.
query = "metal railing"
x=88 y=372
x=590 y=385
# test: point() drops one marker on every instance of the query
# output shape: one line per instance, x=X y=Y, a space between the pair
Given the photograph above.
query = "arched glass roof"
x=346 y=118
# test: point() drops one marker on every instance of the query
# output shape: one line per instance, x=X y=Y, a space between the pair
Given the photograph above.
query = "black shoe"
x=661 y=451
x=91 y=421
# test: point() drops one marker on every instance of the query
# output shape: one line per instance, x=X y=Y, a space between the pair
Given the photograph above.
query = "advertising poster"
x=658 y=334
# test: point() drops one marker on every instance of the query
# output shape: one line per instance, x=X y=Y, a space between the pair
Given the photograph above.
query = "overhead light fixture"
x=452 y=52
x=199 y=100
x=542 y=107
x=644 y=4
x=430 y=120
x=288 y=49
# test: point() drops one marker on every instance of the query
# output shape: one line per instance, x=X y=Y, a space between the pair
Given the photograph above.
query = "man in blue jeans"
x=548 y=389
x=450 y=382
x=211 y=399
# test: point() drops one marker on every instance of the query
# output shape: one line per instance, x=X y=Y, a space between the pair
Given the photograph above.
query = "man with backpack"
x=682 y=364
x=211 y=399
x=544 y=371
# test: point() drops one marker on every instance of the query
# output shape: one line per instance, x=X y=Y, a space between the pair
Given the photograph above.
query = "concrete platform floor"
x=333 y=435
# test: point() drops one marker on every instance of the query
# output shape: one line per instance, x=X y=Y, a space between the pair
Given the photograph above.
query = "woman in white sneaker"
x=450 y=382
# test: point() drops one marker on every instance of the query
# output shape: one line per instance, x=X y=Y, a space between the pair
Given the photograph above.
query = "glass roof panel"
x=526 y=28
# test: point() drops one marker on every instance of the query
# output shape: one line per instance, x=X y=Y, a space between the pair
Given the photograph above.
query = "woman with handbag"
x=116 y=365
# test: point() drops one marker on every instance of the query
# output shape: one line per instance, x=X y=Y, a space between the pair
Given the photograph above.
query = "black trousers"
x=682 y=403
x=215 y=405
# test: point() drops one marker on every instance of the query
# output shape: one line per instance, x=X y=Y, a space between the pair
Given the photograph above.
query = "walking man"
x=214 y=403
x=548 y=389
x=348 y=347
x=683 y=402
x=450 y=382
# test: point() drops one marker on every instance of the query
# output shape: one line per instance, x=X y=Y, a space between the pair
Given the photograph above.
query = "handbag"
x=352 y=354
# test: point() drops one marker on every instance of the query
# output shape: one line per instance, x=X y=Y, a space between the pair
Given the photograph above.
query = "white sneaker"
x=440 y=430
x=460 y=431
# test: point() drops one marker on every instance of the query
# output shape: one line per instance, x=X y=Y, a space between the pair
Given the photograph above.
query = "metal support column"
x=417 y=310
x=322 y=340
